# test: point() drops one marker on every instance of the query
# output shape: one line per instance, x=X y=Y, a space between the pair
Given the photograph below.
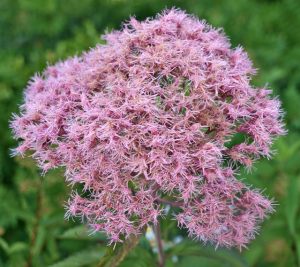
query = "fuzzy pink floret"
x=149 y=115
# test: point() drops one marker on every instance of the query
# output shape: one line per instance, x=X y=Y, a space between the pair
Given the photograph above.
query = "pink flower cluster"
x=148 y=119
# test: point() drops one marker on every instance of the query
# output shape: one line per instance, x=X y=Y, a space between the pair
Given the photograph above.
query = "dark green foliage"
x=33 y=231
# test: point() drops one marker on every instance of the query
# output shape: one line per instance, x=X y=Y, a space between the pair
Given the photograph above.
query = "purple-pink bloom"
x=149 y=116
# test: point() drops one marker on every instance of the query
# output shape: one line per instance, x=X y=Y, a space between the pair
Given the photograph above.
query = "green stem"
x=38 y=215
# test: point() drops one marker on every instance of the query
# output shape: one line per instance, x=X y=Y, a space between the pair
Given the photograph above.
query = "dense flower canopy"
x=161 y=113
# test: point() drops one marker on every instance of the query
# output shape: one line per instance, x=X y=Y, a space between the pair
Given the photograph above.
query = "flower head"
x=150 y=115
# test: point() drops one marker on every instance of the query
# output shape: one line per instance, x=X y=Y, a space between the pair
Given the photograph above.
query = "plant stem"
x=38 y=215
x=114 y=257
x=161 y=254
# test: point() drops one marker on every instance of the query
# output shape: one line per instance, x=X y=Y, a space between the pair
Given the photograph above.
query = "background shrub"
x=33 y=32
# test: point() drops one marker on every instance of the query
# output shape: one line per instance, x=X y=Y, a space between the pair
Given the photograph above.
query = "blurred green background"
x=33 y=231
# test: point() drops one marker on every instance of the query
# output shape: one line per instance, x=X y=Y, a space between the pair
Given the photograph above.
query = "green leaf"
x=52 y=247
x=40 y=240
x=81 y=233
x=14 y=248
x=292 y=204
x=199 y=262
x=298 y=247
x=81 y=258
x=188 y=248
x=4 y=245
x=18 y=247
x=286 y=151
x=291 y=209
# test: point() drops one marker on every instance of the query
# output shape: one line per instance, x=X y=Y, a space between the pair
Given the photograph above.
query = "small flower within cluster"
x=149 y=118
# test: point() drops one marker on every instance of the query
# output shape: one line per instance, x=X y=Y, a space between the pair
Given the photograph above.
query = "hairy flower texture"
x=153 y=117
